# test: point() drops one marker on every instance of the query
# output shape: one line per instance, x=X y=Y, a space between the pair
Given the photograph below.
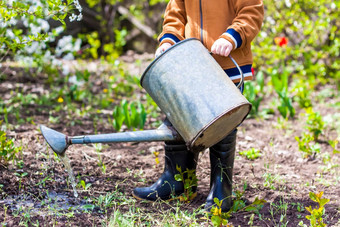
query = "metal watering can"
x=200 y=101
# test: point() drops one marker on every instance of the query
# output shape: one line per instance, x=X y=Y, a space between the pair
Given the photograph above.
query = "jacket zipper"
x=201 y=15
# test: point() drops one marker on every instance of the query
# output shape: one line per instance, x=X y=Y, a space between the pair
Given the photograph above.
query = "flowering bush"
x=313 y=32
x=26 y=33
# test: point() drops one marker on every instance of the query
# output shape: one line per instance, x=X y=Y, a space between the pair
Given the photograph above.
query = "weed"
x=281 y=209
x=83 y=184
x=8 y=150
x=316 y=214
x=189 y=179
x=240 y=205
x=280 y=83
x=219 y=218
x=314 y=123
x=271 y=179
x=299 y=206
x=20 y=176
x=253 y=91
x=133 y=115
x=4 y=223
x=252 y=96
x=251 y=154
x=106 y=201
x=99 y=147
x=333 y=144
x=302 y=94
x=308 y=146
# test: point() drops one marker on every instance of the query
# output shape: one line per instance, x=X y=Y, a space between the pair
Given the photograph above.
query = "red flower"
x=281 y=41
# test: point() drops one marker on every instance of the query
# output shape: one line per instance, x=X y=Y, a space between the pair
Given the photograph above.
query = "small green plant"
x=99 y=148
x=84 y=185
x=316 y=214
x=253 y=98
x=271 y=179
x=8 y=150
x=314 y=123
x=189 y=179
x=308 y=146
x=279 y=208
x=302 y=94
x=106 y=201
x=253 y=92
x=251 y=154
x=280 y=84
x=334 y=144
x=133 y=115
x=219 y=218
x=20 y=176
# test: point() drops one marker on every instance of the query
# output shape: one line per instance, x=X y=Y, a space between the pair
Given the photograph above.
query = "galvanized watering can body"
x=196 y=95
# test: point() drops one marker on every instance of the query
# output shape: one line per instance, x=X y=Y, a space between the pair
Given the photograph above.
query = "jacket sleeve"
x=174 y=22
x=247 y=23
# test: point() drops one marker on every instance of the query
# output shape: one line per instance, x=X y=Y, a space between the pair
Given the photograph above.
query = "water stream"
x=63 y=157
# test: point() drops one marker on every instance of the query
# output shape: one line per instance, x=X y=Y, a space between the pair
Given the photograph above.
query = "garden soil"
x=40 y=192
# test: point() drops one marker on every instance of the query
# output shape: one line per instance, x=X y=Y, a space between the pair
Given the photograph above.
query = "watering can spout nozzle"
x=57 y=141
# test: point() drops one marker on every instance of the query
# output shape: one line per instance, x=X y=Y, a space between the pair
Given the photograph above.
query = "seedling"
x=280 y=83
x=133 y=115
x=302 y=95
x=84 y=185
x=334 y=144
x=316 y=214
x=218 y=217
x=8 y=150
x=99 y=148
x=314 y=123
x=189 y=179
x=308 y=146
x=20 y=176
x=252 y=96
x=251 y=154
x=253 y=91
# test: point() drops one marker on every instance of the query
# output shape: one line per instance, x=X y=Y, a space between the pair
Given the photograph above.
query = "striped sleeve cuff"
x=235 y=76
x=234 y=36
x=169 y=38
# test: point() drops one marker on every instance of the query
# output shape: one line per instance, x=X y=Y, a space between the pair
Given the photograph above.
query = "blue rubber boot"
x=221 y=163
x=166 y=187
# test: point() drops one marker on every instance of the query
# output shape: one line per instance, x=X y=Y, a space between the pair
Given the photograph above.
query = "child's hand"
x=222 y=47
x=162 y=48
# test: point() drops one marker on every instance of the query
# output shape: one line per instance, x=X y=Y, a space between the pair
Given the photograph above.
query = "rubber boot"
x=221 y=163
x=166 y=187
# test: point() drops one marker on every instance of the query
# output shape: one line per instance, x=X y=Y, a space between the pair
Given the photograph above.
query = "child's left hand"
x=222 y=47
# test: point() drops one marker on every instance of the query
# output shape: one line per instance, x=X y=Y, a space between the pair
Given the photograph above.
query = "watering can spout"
x=57 y=141
x=60 y=142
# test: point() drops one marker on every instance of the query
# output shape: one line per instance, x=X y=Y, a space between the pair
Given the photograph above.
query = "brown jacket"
x=238 y=21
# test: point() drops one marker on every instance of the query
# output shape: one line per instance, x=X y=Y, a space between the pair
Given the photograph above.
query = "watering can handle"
x=239 y=69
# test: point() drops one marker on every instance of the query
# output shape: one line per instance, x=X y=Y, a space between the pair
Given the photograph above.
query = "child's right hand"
x=162 y=48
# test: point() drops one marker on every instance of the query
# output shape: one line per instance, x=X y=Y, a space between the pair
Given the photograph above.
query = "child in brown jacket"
x=224 y=27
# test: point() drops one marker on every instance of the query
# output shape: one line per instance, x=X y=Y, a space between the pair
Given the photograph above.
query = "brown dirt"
x=133 y=164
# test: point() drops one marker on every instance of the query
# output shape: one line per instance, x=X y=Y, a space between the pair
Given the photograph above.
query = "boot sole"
x=174 y=198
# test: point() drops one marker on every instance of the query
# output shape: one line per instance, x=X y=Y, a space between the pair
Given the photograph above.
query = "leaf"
x=313 y=196
x=323 y=202
x=309 y=209
x=251 y=208
x=216 y=220
x=218 y=202
x=178 y=177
